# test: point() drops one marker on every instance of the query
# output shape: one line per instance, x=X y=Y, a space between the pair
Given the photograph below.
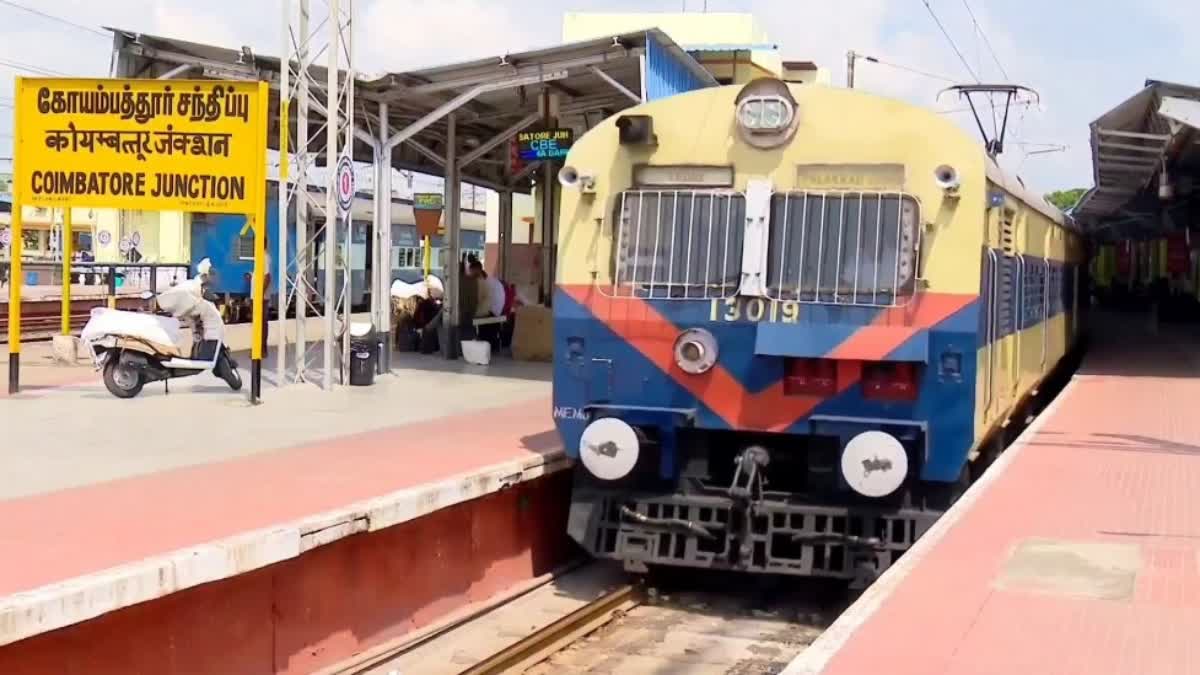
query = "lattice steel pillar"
x=303 y=52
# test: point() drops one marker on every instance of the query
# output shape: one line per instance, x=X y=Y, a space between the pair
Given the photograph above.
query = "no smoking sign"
x=345 y=184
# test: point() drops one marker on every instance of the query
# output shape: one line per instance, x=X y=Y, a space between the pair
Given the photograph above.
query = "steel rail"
x=540 y=645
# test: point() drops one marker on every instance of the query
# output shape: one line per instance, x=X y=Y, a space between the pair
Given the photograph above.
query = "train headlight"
x=766 y=113
x=874 y=464
x=609 y=448
x=695 y=351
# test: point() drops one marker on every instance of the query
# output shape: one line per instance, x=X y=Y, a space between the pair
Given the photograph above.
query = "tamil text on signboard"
x=427 y=212
x=428 y=201
x=536 y=146
x=141 y=144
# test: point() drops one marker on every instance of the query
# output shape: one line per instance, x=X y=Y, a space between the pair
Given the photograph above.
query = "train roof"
x=1017 y=187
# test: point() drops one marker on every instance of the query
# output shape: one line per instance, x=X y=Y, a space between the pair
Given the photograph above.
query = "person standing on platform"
x=468 y=298
x=495 y=292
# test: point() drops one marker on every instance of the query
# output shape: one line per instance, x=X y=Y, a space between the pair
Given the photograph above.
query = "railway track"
x=594 y=620
x=41 y=319
x=697 y=625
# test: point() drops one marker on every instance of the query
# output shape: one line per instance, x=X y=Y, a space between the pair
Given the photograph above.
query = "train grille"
x=678 y=244
x=843 y=248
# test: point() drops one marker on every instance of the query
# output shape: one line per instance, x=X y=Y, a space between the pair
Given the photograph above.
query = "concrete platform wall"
x=327 y=604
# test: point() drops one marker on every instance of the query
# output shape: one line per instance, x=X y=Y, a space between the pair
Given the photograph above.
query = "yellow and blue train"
x=792 y=322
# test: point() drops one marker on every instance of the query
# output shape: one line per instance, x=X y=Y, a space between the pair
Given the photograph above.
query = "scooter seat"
x=149 y=347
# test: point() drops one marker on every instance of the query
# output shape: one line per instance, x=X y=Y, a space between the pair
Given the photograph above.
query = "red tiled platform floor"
x=52 y=537
x=1117 y=461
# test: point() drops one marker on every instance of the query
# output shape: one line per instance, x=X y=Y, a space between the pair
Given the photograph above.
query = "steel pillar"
x=303 y=264
x=295 y=284
x=452 y=303
x=547 y=185
x=381 y=293
x=506 y=233
x=332 y=153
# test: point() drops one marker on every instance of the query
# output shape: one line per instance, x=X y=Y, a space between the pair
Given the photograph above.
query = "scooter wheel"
x=122 y=381
x=227 y=370
x=234 y=379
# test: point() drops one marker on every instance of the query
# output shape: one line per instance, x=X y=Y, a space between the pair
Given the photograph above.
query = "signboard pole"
x=15 y=279
x=66 y=246
x=259 y=218
x=16 y=247
x=427 y=245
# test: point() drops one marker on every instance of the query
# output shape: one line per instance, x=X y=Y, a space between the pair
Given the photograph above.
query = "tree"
x=1065 y=199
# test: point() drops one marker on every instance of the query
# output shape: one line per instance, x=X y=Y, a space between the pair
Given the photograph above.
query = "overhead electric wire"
x=59 y=19
x=17 y=65
x=953 y=44
x=915 y=71
x=986 y=41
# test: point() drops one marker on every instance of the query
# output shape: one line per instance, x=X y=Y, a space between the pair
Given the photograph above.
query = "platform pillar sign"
x=196 y=146
x=427 y=212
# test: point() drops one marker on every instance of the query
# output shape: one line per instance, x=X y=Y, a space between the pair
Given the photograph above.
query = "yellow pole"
x=15 y=250
x=259 y=219
x=67 y=246
x=15 y=277
x=428 y=256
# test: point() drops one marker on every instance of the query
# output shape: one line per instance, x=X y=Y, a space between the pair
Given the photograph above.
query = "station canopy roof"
x=592 y=79
x=1131 y=144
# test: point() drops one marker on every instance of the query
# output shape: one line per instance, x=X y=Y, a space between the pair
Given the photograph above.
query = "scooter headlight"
x=695 y=351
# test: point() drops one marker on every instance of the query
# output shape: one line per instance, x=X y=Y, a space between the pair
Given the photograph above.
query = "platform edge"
x=817 y=656
x=41 y=610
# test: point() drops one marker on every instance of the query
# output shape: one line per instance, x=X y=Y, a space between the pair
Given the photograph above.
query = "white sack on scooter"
x=185 y=300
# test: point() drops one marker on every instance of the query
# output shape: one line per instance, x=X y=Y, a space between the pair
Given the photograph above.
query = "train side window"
x=245 y=246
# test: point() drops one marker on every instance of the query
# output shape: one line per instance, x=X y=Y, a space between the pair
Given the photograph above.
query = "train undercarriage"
x=774 y=507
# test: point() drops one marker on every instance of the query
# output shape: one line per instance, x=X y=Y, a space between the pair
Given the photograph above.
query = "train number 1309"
x=754 y=309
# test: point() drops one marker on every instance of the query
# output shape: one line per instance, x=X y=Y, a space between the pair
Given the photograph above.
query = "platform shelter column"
x=452 y=305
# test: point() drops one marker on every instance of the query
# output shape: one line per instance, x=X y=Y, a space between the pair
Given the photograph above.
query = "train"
x=792 y=324
x=224 y=239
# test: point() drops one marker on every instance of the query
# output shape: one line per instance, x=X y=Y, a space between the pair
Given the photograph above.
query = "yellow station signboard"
x=151 y=145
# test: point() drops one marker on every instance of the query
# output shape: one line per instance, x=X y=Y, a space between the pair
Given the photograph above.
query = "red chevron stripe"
x=653 y=335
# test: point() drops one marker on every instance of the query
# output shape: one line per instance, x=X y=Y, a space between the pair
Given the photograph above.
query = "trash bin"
x=364 y=355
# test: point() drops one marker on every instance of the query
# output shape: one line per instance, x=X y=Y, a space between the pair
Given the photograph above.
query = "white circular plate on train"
x=609 y=448
x=874 y=464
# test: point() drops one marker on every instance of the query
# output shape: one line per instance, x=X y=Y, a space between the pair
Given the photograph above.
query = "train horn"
x=570 y=177
x=947 y=178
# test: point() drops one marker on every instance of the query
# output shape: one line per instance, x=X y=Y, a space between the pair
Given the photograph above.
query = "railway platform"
x=1078 y=551
x=193 y=528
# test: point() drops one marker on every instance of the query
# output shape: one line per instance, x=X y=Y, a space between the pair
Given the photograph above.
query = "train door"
x=1006 y=313
x=1045 y=298
x=995 y=267
x=1015 y=226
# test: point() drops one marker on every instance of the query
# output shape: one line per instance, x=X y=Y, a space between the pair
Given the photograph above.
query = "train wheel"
x=122 y=380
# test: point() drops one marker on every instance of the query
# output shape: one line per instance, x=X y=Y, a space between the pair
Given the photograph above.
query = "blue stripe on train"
x=593 y=365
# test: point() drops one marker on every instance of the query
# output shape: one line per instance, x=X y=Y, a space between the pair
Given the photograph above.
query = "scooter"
x=133 y=349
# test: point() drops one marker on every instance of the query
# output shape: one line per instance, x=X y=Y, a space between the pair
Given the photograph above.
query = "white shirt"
x=497 y=295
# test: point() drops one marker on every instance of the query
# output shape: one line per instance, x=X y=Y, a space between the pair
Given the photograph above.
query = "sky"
x=1082 y=57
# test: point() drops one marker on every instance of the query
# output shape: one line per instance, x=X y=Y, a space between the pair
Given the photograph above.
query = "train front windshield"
x=841 y=248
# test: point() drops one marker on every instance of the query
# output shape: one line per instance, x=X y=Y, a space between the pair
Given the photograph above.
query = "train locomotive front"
x=767 y=328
